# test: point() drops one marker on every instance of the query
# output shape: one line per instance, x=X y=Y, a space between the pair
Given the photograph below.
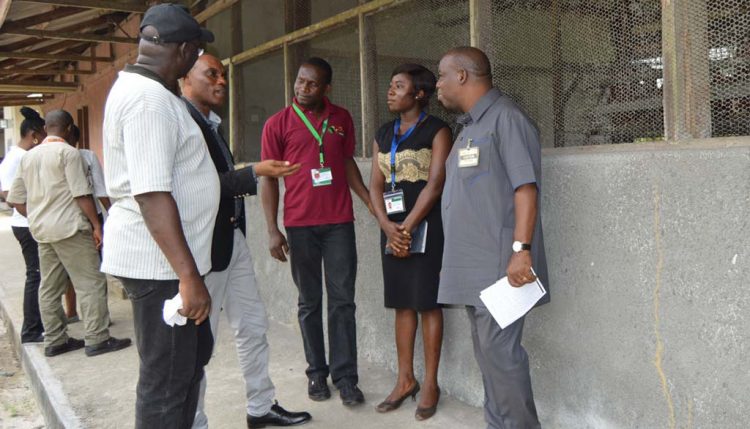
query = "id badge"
x=321 y=176
x=394 y=202
x=468 y=157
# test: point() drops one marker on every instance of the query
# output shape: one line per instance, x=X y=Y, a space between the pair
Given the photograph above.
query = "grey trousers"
x=76 y=257
x=508 y=399
x=236 y=292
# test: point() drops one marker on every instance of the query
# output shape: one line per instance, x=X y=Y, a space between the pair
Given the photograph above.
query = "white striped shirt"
x=152 y=144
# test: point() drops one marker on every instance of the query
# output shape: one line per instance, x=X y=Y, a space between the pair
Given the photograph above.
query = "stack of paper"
x=507 y=303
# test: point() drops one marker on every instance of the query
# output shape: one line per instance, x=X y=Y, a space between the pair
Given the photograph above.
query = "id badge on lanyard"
x=468 y=156
x=322 y=176
x=394 y=200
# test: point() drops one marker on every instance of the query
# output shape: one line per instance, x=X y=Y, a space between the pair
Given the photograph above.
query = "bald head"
x=465 y=76
x=59 y=123
x=473 y=60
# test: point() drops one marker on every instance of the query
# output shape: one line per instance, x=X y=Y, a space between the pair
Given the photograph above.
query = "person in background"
x=52 y=190
x=32 y=134
x=408 y=172
x=96 y=178
x=319 y=222
x=231 y=282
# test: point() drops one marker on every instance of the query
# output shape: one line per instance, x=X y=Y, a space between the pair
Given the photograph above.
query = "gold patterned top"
x=411 y=165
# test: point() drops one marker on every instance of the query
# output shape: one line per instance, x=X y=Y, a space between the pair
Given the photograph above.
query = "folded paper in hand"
x=507 y=303
x=170 y=312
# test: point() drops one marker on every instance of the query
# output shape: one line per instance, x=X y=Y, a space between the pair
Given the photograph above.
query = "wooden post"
x=236 y=131
x=368 y=73
x=687 y=77
x=480 y=24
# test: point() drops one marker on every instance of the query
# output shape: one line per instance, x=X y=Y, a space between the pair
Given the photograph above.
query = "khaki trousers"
x=75 y=257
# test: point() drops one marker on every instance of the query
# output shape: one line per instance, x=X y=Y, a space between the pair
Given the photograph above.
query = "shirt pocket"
x=471 y=175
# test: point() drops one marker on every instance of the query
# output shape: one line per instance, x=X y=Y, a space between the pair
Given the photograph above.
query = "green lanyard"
x=313 y=131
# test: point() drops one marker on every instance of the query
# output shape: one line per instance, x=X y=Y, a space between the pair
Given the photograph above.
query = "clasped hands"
x=398 y=239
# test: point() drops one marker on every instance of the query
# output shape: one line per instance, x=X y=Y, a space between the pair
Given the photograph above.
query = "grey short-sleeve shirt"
x=477 y=204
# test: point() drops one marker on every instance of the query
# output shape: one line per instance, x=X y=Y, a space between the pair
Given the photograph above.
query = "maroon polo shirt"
x=285 y=137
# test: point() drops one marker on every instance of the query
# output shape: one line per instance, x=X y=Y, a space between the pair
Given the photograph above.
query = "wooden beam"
x=42 y=18
x=62 y=56
x=45 y=34
x=43 y=71
x=32 y=86
x=89 y=25
x=213 y=9
x=316 y=29
x=122 y=6
x=368 y=72
x=21 y=102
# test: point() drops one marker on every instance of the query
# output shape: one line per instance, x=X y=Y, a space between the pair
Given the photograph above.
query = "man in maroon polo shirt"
x=319 y=223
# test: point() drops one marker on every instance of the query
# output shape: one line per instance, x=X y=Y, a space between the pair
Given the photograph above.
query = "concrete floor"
x=99 y=392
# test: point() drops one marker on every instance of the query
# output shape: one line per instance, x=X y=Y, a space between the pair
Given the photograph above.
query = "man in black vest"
x=231 y=282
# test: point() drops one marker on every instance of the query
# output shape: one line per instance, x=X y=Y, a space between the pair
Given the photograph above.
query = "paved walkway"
x=99 y=392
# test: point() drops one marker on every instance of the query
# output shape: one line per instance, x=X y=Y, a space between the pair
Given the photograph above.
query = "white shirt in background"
x=8 y=170
x=95 y=175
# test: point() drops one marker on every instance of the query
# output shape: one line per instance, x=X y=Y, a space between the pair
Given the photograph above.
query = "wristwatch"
x=520 y=247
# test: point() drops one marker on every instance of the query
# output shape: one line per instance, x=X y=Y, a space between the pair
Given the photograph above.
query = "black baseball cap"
x=174 y=24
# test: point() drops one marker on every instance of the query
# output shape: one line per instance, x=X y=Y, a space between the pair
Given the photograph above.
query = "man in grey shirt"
x=492 y=227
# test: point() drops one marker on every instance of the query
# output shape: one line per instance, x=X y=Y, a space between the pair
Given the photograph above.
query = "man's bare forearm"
x=162 y=219
x=269 y=197
x=88 y=207
x=354 y=177
x=525 y=200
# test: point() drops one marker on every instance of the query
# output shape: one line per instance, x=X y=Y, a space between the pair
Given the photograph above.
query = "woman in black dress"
x=408 y=172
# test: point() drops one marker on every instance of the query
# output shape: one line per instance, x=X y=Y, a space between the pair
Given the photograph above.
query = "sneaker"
x=68 y=346
x=111 y=345
x=317 y=388
x=351 y=395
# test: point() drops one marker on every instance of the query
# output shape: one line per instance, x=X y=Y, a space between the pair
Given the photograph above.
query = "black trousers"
x=171 y=358
x=333 y=248
x=32 y=320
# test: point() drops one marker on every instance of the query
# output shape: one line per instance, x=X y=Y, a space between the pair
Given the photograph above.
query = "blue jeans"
x=171 y=358
x=334 y=248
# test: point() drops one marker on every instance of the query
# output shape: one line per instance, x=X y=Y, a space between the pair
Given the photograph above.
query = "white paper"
x=507 y=303
x=170 y=311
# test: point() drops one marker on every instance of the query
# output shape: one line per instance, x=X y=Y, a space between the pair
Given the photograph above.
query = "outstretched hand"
x=276 y=169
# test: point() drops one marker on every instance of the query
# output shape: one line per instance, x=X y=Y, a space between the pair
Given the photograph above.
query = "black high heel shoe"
x=426 y=413
x=387 y=405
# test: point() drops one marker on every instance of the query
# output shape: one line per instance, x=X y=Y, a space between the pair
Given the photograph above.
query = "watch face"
x=517 y=246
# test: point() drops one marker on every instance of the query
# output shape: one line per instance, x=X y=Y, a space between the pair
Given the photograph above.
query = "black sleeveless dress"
x=412 y=282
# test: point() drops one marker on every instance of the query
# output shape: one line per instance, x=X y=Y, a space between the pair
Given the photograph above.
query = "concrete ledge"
x=50 y=397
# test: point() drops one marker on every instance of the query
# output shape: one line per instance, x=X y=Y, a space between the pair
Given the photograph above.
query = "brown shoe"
x=426 y=413
x=387 y=405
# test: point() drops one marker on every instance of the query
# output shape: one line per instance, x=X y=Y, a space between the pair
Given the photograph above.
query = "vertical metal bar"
x=368 y=72
x=480 y=23
x=687 y=79
x=287 y=76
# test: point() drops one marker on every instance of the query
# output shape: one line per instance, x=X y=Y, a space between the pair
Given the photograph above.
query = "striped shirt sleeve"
x=150 y=142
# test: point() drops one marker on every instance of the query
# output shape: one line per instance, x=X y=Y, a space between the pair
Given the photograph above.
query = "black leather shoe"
x=68 y=346
x=317 y=389
x=351 y=395
x=111 y=345
x=278 y=417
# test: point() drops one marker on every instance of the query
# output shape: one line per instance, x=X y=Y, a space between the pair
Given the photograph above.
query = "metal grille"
x=727 y=24
x=588 y=71
x=416 y=32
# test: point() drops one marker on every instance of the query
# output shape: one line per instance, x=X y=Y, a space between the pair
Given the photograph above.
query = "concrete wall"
x=649 y=249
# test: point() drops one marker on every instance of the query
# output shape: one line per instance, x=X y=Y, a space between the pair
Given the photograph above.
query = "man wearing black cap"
x=166 y=195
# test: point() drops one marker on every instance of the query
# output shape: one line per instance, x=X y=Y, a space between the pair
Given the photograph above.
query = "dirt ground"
x=18 y=409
